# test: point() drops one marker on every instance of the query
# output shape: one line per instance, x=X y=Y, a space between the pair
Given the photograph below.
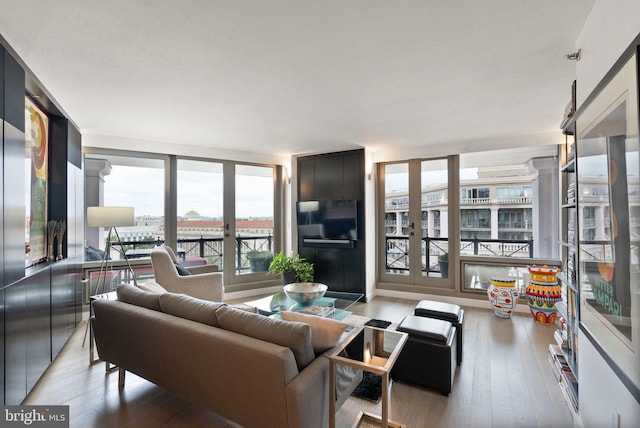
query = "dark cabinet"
x=27 y=334
x=63 y=304
x=15 y=343
x=13 y=91
x=38 y=325
x=335 y=176
x=13 y=204
x=39 y=306
x=339 y=267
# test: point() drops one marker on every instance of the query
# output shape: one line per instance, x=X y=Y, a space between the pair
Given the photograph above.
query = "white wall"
x=175 y=148
x=604 y=400
x=370 y=223
x=609 y=29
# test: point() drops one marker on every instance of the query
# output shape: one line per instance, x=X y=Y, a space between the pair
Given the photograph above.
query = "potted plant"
x=259 y=260
x=443 y=262
x=293 y=269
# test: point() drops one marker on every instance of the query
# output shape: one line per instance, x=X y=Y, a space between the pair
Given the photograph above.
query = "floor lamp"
x=110 y=217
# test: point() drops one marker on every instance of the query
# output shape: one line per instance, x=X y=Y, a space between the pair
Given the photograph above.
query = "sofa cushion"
x=191 y=308
x=133 y=295
x=152 y=287
x=294 y=335
x=325 y=332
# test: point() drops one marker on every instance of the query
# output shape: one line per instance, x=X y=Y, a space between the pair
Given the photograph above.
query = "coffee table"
x=334 y=304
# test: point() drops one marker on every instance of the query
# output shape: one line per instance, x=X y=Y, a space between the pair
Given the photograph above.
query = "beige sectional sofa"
x=254 y=370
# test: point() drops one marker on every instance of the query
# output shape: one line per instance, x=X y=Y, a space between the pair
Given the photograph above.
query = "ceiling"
x=301 y=76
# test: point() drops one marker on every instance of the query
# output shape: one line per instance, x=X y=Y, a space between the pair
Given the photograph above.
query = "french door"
x=414 y=203
x=227 y=213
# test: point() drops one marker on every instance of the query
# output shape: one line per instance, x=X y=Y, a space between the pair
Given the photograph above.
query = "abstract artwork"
x=36 y=156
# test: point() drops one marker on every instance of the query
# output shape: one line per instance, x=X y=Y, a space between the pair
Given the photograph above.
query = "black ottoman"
x=429 y=357
x=447 y=312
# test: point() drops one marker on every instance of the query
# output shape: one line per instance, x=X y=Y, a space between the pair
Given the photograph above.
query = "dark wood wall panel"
x=353 y=176
x=335 y=176
x=306 y=180
x=329 y=173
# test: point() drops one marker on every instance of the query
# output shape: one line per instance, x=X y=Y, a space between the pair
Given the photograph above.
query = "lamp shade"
x=110 y=216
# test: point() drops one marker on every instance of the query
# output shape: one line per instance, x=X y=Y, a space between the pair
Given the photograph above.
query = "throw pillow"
x=183 y=306
x=325 y=332
x=133 y=295
x=182 y=271
x=152 y=287
x=294 y=335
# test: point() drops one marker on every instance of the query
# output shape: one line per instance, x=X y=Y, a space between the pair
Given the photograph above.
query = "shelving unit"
x=563 y=355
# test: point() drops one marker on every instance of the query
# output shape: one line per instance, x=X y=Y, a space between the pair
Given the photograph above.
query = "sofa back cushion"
x=133 y=295
x=152 y=287
x=325 y=332
x=191 y=308
x=293 y=335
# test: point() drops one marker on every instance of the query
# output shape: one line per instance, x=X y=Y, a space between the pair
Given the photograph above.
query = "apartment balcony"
x=519 y=200
x=475 y=201
x=515 y=225
x=475 y=224
x=209 y=249
x=397 y=251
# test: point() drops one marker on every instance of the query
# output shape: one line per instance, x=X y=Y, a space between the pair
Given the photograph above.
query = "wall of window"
x=496 y=215
x=212 y=212
x=505 y=222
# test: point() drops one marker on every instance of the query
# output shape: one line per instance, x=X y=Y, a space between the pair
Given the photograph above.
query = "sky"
x=143 y=188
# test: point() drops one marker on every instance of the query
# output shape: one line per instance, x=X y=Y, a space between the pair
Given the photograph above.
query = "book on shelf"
x=560 y=337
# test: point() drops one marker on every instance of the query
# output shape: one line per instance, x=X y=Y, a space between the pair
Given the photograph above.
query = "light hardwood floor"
x=505 y=380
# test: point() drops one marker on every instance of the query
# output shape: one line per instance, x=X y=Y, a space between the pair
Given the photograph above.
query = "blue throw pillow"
x=182 y=271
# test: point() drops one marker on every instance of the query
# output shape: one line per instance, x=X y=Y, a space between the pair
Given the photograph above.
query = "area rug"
x=370 y=388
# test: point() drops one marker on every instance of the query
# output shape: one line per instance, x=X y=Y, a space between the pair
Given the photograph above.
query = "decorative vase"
x=503 y=295
x=543 y=292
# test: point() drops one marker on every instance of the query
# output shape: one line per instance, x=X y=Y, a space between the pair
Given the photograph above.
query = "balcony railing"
x=209 y=249
x=397 y=251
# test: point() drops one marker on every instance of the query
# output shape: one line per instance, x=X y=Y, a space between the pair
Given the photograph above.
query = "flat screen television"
x=328 y=220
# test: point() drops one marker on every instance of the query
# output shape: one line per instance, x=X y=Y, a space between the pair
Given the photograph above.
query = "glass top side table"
x=374 y=350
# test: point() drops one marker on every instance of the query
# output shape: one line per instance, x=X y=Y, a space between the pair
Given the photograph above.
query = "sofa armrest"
x=206 y=286
x=308 y=395
x=197 y=270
